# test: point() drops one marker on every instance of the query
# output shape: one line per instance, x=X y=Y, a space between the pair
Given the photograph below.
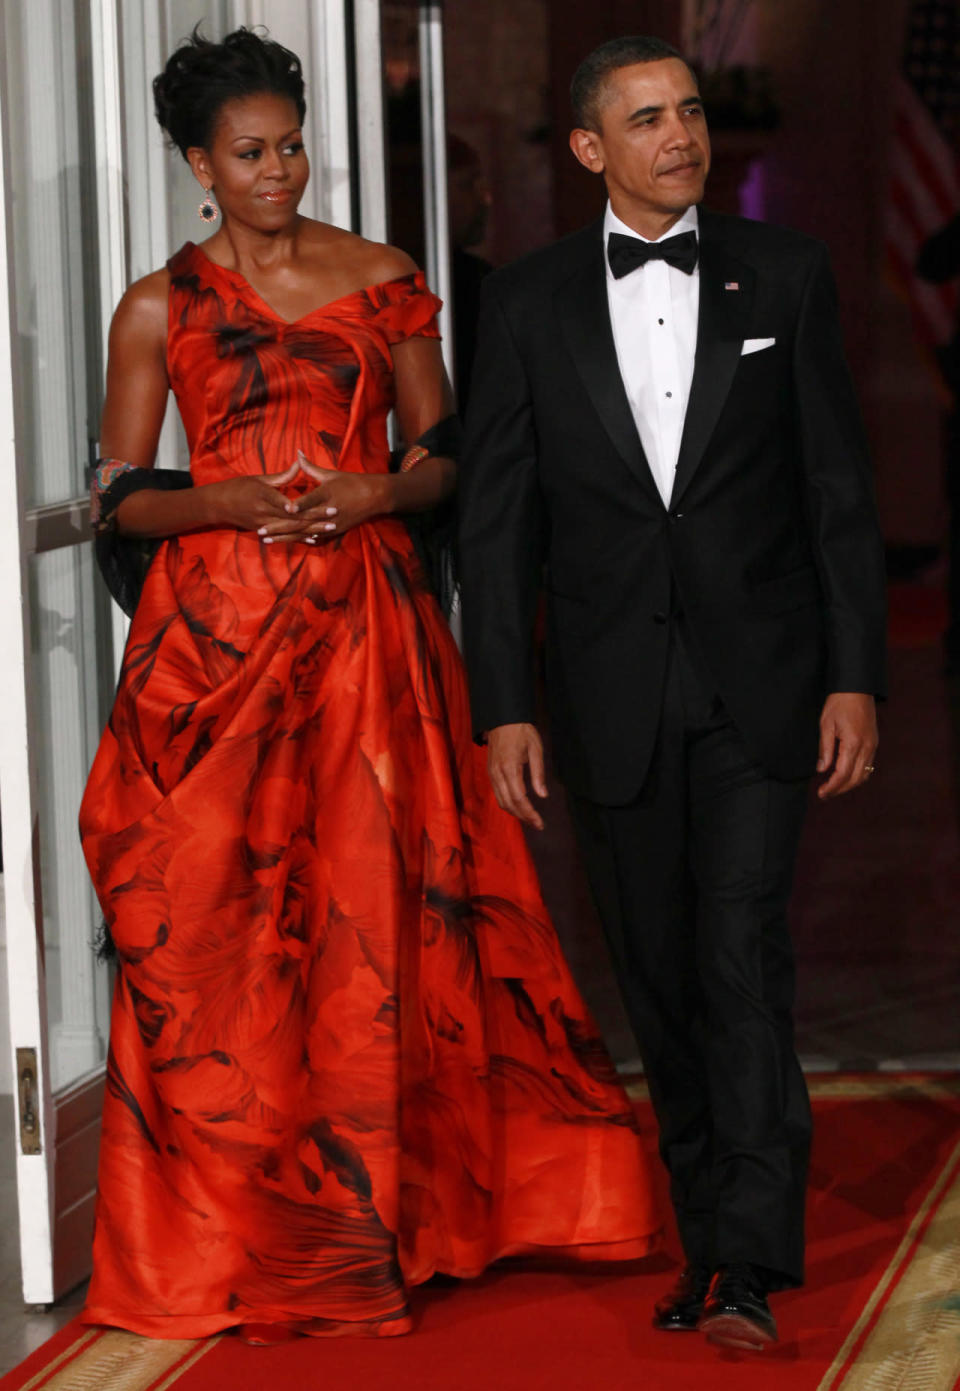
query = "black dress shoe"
x=735 y=1312
x=680 y=1310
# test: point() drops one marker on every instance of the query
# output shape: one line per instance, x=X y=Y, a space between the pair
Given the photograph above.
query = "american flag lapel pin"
x=731 y=285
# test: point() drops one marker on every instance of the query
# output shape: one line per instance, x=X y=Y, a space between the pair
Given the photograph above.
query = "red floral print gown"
x=346 y=1051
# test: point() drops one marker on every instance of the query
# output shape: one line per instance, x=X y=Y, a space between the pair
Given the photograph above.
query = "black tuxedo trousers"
x=692 y=880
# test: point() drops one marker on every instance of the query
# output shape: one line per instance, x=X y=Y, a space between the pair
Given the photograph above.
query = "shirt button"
x=669 y=395
x=659 y=321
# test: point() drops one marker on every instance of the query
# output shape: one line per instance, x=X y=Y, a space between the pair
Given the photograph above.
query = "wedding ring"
x=869 y=768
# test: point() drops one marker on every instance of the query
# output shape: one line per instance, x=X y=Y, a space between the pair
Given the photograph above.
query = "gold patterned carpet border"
x=908 y=1336
x=115 y=1361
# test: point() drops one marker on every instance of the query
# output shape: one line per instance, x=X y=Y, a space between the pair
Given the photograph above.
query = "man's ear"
x=588 y=148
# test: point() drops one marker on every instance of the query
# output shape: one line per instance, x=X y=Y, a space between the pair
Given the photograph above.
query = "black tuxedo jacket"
x=770 y=545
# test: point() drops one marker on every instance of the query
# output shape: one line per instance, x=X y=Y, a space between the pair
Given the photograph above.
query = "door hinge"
x=28 y=1093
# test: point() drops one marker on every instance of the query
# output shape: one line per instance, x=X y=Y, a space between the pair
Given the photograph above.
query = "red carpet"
x=882 y=1300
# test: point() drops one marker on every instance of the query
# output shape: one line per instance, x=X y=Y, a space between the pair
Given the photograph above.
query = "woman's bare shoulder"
x=389 y=262
x=369 y=262
x=142 y=312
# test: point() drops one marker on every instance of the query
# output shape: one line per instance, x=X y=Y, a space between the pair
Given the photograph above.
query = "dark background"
x=806 y=145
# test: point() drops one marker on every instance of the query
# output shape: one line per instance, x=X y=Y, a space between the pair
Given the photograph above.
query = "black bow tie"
x=626 y=253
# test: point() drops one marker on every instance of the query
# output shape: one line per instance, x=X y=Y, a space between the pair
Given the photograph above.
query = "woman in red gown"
x=346 y=1051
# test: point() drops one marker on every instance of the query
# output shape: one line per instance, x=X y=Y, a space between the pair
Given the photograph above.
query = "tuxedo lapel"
x=726 y=296
x=585 y=318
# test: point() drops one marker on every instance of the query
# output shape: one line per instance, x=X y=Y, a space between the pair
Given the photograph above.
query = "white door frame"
x=111 y=199
x=433 y=126
x=370 y=114
x=24 y=925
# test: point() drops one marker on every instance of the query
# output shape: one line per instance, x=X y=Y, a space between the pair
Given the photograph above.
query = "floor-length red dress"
x=346 y=1051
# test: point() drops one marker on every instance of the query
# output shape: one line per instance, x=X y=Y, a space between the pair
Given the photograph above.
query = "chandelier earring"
x=208 y=210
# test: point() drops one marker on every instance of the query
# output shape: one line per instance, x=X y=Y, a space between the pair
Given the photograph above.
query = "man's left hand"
x=848 y=741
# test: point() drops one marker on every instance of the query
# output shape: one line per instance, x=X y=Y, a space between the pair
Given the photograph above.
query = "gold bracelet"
x=413 y=456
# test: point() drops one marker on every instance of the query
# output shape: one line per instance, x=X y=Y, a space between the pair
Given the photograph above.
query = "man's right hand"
x=511 y=749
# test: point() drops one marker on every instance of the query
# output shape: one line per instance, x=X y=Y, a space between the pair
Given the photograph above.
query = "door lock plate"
x=28 y=1095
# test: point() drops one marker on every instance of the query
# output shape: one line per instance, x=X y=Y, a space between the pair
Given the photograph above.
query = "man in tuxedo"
x=663 y=432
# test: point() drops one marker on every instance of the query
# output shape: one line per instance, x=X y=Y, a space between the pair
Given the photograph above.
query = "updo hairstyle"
x=201 y=76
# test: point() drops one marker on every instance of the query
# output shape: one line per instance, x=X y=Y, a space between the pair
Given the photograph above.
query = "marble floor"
x=874 y=919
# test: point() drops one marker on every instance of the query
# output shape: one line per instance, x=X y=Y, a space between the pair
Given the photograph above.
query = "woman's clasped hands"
x=340 y=501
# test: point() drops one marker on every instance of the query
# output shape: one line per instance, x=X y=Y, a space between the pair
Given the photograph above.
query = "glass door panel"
x=57 y=317
x=70 y=649
x=55 y=288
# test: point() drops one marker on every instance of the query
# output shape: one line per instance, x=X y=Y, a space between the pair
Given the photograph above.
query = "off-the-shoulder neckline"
x=194 y=248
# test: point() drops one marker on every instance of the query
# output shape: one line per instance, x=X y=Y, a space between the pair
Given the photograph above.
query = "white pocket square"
x=754 y=345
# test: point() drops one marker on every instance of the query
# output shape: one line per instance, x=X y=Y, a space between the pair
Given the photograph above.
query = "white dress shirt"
x=653 y=311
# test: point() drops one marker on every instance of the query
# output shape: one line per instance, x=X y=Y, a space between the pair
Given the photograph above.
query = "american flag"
x=925 y=157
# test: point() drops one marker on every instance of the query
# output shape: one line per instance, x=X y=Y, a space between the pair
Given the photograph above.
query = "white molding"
x=328 y=112
x=433 y=124
x=371 y=143
x=146 y=165
x=245 y=13
x=6 y=1068
x=108 y=136
x=111 y=202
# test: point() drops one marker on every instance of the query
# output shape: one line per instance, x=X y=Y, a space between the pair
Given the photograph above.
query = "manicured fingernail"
x=261 y=531
x=289 y=507
x=268 y=540
x=329 y=526
x=331 y=512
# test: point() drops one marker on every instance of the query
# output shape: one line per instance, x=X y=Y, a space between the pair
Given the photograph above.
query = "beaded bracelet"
x=107 y=471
